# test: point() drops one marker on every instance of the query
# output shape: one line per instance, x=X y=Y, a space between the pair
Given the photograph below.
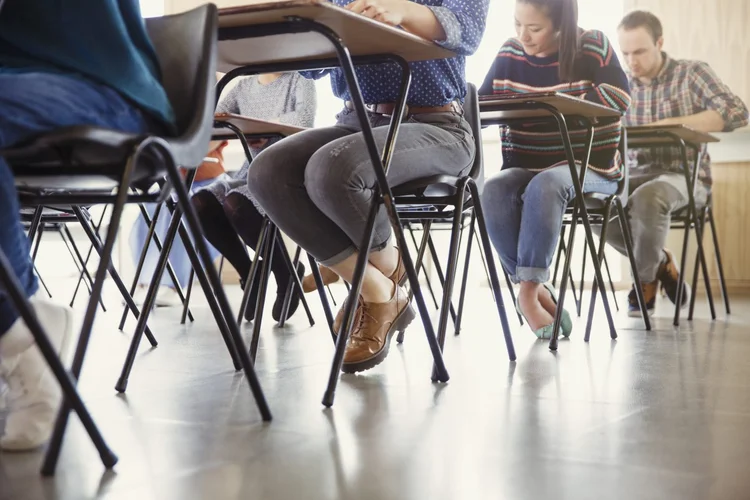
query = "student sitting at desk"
x=525 y=202
x=225 y=208
x=666 y=91
x=61 y=64
x=317 y=186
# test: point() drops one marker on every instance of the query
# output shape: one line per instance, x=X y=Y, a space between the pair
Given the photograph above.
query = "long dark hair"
x=564 y=15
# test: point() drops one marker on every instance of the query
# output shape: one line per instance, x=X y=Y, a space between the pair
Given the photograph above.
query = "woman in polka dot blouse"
x=317 y=185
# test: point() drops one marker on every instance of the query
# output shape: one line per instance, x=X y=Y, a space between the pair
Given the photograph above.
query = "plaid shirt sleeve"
x=709 y=92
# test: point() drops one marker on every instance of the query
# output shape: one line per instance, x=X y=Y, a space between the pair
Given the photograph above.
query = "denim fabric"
x=178 y=256
x=524 y=212
x=32 y=104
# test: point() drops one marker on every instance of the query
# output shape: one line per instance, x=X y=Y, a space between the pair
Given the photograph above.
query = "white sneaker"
x=33 y=392
x=167 y=297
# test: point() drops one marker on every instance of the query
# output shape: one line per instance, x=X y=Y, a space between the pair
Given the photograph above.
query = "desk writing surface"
x=361 y=35
x=251 y=126
x=645 y=135
x=491 y=107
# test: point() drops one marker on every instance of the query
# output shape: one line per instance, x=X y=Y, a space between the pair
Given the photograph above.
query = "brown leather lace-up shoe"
x=328 y=276
x=377 y=324
x=669 y=277
x=398 y=276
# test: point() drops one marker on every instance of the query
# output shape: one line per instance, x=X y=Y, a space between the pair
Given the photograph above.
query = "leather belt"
x=387 y=108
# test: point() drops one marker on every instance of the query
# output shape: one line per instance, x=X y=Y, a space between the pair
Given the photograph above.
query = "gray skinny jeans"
x=651 y=205
x=317 y=186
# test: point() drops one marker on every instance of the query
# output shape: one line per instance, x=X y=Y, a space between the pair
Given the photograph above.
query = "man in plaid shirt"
x=668 y=92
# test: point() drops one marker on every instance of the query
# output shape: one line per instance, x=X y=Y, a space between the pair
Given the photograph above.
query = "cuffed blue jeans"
x=32 y=104
x=524 y=212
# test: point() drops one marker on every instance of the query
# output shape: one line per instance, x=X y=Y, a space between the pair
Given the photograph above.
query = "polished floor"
x=660 y=415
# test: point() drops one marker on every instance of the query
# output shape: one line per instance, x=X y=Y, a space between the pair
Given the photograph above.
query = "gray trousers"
x=317 y=186
x=651 y=205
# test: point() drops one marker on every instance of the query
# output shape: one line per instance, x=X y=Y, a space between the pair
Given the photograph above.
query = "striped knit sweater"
x=599 y=79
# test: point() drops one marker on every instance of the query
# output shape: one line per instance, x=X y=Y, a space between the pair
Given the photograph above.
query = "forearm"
x=420 y=20
x=706 y=121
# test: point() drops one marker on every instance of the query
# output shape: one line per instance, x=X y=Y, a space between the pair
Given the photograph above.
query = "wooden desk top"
x=251 y=126
x=492 y=107
x=361 y=35
x=656 y=135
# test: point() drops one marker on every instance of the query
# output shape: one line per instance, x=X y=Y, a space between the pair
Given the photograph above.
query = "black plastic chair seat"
x=89 y=157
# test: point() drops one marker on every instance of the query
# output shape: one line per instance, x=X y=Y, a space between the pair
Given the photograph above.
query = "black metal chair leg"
x=294 y=285
x=579 y=300
x=704 y=266
x=175 y=226
x=465 y=277
x=611 y=284
x=717 y=253
x=273 y=234
x=188 y=295
x=88 y=257
x=37 y=242
x=581 y=211
x=159 y=248
x=625 y=230
x=560 y=250
x=234 y=339
x=450 y=277
x=441 y=276
x=322 y=294
x=696 y=266
x=99 y=248
x=420 y=256
x=253 y=272
x=41 y=280
x=681 y=279
x=421 y=251
x=509 y=284
x=492 y=271
x=151 y=222
x=82 y=267
x=36 y=220
x=67 y=384
x=105 y=263
x=571 y=282
x=597 y=262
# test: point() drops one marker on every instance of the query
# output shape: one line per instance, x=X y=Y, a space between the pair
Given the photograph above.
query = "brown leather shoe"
x=371 y=336
x=669 y=277
x=328 y=276
x=398 y=276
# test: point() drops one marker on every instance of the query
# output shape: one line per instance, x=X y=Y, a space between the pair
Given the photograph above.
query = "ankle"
x=378 y=290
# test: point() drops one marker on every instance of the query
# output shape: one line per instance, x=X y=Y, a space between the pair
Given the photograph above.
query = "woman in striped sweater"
x=526 y=201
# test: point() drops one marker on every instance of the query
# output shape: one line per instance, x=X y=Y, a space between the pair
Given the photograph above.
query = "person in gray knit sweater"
x=225 y=207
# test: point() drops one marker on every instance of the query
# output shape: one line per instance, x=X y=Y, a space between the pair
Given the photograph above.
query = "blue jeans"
x=524 y=212
x=32 y=104
x=178 y=256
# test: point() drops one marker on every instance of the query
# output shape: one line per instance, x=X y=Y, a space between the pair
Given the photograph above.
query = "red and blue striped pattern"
x=599 y=78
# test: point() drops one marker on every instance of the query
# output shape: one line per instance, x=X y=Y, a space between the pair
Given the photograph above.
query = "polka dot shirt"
x=434 y=83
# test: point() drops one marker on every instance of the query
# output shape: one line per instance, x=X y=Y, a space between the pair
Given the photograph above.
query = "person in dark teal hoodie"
x=62 y=63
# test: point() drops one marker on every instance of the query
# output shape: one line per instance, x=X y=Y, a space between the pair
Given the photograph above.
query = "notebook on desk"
x=515 y=95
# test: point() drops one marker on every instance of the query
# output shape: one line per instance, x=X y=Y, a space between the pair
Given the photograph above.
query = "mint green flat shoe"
x=566 y=323
x=544 y=332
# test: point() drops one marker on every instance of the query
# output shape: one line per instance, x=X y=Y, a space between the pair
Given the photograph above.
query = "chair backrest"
x=471 y=114
x=186 y=46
